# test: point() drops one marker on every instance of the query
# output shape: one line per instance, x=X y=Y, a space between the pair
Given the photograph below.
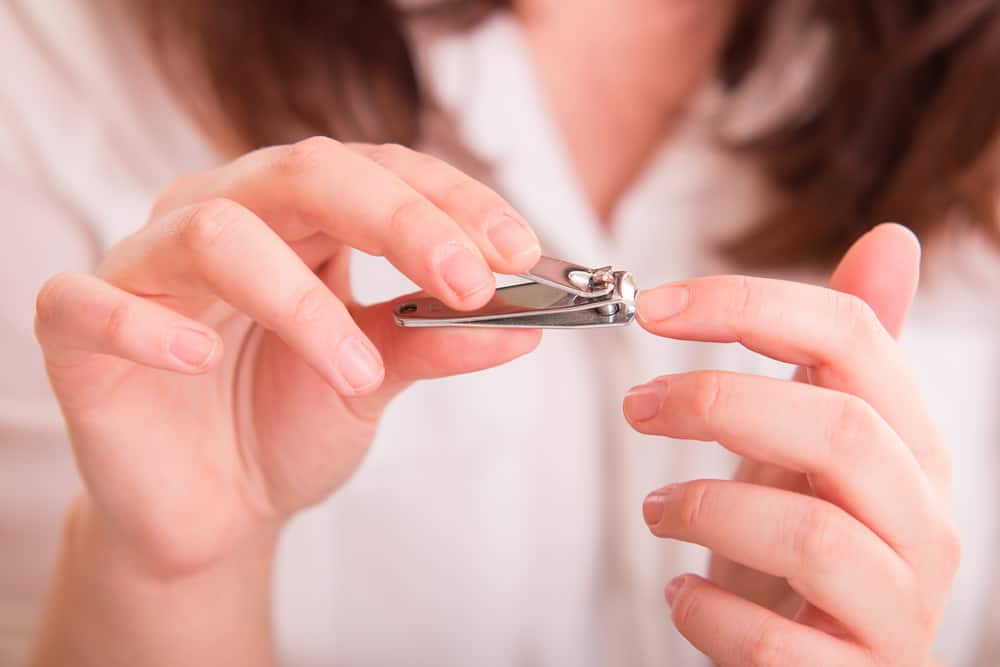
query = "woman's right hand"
x=215 y=375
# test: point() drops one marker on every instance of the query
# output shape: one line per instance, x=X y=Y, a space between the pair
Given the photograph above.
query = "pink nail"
x=673 y=588
x=643 y=402
x=652 y=509
x=661 y=303
x=192 y=348
x=510 y=236
x=655 y=503
x=464 y=273
x=358 y=365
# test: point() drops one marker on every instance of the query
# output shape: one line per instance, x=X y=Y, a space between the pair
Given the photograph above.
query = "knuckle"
x=307 y=155
x=422 y=162
x=310 y=305
x=48 y=301
x=707 y=394
x=117 y=324
x=205 y=223
x=765 y=646
x=687 y=607
x=463 y=193
x=922 y=607
x=408 y=214
x=861 y=322
x=941 y=464
x=852 y=430
x=744 y=296
x=695 y=500
x=935 y=457
x=948 y=543
x=817 y=538
x=174 y=192
x=388 y=154
x=925 y=613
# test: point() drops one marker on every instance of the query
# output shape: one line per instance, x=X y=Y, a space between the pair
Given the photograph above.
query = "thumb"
x=421 y=354
x=883 y=269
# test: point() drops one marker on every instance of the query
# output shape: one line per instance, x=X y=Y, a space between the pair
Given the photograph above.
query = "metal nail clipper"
x=559 y=295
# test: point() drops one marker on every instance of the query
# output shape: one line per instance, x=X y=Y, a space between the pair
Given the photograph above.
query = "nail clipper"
x=559 y=295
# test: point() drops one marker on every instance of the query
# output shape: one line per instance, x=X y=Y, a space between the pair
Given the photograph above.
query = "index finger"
x=320 y=185
x=835 y=335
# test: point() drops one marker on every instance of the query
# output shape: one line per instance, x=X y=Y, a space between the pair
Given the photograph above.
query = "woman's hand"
x=834 y=544
x=215 y=375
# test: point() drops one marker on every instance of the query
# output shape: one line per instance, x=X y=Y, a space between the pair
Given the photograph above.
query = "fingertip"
x=194 y=350
x=671 y=590
x=643 y=403
x=656 y=306
x=883 y=269
x=677 y=586
x=358 y=368
x=529 y=338
x=898 y=229
x=652 y=509
x=900 y=242
x=524 y=262
x=515 y=243
x=894 y=242
x=467 y=277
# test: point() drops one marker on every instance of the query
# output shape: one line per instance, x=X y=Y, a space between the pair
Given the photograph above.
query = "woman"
x=218 y=375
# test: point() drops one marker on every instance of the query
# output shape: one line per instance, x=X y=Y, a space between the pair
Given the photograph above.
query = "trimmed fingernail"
x=192 y=348
x=358 y=365
x=661 y=303
x=673 y=588
x=510 y=236
x=464 y=272
x=652 y=506
x=643 y=402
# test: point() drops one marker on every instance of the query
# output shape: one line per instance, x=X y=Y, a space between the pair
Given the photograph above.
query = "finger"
x=883 y=269
x=505 y=239
x=78 y=315
x=320 y=184
x=735 y=632
x=419 y=354
x=220 y=249
x=837 y=335
x=826 y=555
x=853 y=458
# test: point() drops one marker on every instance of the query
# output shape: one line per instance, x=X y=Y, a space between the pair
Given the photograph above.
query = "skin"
x=265 y=393
x=277 y=406
x=834 y=543
x=627 y=46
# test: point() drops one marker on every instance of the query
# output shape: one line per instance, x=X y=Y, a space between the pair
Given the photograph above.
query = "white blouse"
x=497 y=518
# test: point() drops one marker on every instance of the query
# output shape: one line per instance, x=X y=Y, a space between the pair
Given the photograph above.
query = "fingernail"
x=358 y=365
x=192 y=348
x=510 y=236
x=662 y=302
x=643 y=402
x=464 y=273
x=653 y=505
x=673 y=588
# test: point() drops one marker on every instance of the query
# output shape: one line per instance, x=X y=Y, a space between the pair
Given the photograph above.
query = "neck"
x=619 y=75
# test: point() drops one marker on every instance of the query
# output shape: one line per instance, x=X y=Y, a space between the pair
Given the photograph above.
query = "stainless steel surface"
x=562 y=296
x=572 y=278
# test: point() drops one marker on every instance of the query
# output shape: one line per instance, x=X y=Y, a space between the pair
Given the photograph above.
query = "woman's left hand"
x=834 y=544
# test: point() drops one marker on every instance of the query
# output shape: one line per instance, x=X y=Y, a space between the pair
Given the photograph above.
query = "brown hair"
x=902 y=124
